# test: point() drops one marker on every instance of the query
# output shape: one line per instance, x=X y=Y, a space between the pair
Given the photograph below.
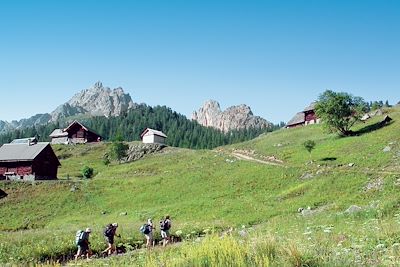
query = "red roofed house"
x=150 y=136
x=75 y=133
x=306 y=117
x=28 y=160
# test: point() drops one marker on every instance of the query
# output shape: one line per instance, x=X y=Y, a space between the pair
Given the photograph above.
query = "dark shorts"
x=83 y=247
x=110 y=240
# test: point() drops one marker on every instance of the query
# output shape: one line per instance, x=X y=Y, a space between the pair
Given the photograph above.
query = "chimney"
x=32 y=141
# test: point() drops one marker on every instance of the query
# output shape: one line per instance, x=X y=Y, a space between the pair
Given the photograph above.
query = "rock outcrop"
x=233 y=118
x=138 y=151
x=99 y=101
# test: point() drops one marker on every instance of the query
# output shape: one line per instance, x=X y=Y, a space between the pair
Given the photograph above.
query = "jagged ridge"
x=233 y=118
x=95 y=101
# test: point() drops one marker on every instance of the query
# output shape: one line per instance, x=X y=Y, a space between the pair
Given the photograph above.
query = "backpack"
x=165 y=225
x=108 y=232
x=79 y=237
x=145 y=229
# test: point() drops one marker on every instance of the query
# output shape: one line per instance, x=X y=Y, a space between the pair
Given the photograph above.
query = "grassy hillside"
x=211 y=191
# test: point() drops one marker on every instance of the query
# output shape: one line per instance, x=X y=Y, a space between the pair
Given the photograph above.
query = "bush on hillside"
x=118 y=149
x=87 y=172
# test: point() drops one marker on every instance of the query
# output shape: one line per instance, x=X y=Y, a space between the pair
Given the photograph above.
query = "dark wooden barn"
x=75 y=133
x=306 y=117
x=28 y=161
x=309 y=114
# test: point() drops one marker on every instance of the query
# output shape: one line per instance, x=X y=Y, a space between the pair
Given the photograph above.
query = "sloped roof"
x=310 y=107
x=21 y=152
x=58 y=133
x=24 y=140
x=155 y=132
x=82 y=125
x=297 y=119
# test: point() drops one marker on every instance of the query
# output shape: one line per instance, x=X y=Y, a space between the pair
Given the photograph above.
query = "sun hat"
x=115 y=224
x=88 y=230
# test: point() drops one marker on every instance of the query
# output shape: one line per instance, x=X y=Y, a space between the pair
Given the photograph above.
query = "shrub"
x=118 y=150
x=87 y=172
x=106 y=159
x=309 y=145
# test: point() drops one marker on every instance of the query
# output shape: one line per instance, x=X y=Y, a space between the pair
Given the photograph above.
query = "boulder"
x=306 y=176
x=387 y=149
x=374 y=185
x=353 y=209
x=377 y=112
x=365 y=117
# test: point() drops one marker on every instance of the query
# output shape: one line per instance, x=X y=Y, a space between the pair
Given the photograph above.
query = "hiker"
x=82 y=242
x=165 y=225
x=147 y=230
x=109 y=234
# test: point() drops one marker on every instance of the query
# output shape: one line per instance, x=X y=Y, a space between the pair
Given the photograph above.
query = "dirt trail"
x=242 y=156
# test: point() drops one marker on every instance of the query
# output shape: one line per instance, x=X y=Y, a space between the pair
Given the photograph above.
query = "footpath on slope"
x=122 y=250
x=249 y=155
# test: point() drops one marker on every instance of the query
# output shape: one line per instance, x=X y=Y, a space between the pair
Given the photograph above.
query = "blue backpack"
x=145 y=229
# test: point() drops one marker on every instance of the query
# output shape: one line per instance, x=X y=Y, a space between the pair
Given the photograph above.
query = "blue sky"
x=276 y=56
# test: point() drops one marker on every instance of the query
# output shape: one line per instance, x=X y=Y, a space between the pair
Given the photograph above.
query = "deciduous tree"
x=339 y=111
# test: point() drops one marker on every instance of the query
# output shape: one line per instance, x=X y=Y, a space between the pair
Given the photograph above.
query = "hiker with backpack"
x=109 y=234
x=147 y=230
x=165 y=225
x=82 y=242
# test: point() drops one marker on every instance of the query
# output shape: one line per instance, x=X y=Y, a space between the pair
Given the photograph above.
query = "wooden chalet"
x=306 y=117
x=28 y=161
x=75 y=133
x=297 y=120
x=309 y=114
x=151 y=136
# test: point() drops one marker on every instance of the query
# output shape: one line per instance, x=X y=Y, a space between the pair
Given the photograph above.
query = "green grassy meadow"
x=207 y=192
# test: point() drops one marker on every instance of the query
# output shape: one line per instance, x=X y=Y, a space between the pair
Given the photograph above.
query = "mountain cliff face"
x=233 y=118
x=95 y=101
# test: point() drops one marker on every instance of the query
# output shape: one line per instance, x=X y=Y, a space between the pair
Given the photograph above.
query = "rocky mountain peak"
x=98 y=85
x=233 y=118
x=97 y=100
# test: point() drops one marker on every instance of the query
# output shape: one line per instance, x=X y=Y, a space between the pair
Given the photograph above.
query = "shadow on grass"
x=372 y=127
x=329 y=159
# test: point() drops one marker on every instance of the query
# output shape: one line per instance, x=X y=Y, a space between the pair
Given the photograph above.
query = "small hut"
x=306 y=117
x=151 y=136
x=297 y=120
x=75 y=133
x=28 y=161
x=58 y=136
x=309 y=114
